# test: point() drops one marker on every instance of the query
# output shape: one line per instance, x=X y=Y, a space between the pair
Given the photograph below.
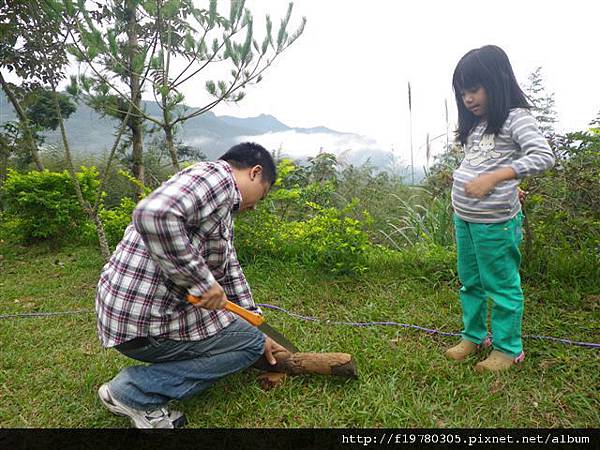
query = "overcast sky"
x=349 y=70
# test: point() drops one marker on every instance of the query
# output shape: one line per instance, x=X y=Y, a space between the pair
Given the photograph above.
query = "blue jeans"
x=180 y=369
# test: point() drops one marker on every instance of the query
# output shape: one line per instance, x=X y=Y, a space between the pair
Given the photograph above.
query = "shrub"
x=332 y=239
x=563 y=211
x=115 y=220
x=43 y=205
x=298 y=222
x=376 y=191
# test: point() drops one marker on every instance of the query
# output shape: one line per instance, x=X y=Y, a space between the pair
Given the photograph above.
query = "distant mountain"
x=89 y=133
x=257 y=125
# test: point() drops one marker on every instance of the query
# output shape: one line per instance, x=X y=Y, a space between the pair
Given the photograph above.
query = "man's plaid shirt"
x=180 y=242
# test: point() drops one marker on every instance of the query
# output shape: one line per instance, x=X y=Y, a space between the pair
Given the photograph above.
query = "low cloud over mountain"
x=89 y=133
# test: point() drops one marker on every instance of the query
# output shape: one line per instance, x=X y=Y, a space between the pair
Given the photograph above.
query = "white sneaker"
x=160 y=417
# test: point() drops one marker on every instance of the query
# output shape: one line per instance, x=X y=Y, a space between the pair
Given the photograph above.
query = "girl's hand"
x=522 y=196
x=481 y=186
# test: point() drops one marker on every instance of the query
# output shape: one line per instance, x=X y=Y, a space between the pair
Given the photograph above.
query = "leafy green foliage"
x=320 y=168
x=376 y=192
x=38 y=105
x=299 y=223
x=324 y=218
x=563 y=207
x=41 y=109
x=330 y=238
x=14 y=146
x=43 y=205
x=31 y=40
x=115 y=220
x=439 y=176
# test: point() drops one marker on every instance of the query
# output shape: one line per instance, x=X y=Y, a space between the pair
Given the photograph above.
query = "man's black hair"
x=490 y=68
x=250 y=154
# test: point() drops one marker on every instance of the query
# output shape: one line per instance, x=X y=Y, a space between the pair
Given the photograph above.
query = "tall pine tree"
x=543 y=104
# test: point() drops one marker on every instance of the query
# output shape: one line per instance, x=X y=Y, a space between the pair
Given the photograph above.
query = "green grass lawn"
x=51 y=367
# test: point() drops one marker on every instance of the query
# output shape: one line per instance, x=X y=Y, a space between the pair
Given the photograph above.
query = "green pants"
x=488 y=266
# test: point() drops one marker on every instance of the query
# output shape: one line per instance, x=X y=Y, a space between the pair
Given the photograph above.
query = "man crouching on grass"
x=181 y=242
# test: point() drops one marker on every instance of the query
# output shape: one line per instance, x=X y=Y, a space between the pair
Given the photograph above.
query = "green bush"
x=299 y=223
x=7 y=227
x=563 y=213
x=377 y=192
x=43 y=205
x=296 y=203
x=115 y=220
x=332 y=239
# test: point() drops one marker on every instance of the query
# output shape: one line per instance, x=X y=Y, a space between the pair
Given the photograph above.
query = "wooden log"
x=336 y=364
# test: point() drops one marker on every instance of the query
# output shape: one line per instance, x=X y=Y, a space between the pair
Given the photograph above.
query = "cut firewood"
x=337 y=364
x=270 y=380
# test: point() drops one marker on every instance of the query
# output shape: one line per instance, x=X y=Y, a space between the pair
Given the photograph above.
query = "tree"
x=322 y=168
x=543 y=103
x=30 y=33
x=563 y=204
x=5 y=148
x=134 y=55
x=36 y=52
x=171 y=31
x=15 y=146
x=120 y=49
x=41 y=110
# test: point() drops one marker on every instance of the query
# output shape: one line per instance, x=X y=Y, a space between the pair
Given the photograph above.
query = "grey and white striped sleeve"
x=537 y=154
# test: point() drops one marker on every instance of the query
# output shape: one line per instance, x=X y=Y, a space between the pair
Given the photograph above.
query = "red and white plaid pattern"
x=180 y=242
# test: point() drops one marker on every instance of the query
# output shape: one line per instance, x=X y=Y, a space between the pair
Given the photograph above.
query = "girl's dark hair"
x=250 y=154
x=490 y=68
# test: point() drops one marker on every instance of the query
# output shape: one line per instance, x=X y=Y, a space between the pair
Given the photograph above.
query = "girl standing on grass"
x=502 y=144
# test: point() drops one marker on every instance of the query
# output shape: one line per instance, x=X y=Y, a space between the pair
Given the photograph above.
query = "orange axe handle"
x=249 y=316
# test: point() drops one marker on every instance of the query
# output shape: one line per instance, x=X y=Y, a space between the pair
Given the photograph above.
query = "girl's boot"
x=462 y=350
x=498 y=361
